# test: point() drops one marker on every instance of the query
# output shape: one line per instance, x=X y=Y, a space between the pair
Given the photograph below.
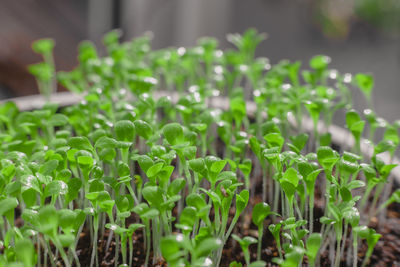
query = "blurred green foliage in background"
x=337 y=17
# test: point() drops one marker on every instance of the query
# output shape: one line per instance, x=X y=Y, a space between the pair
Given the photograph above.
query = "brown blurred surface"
x=22 y=22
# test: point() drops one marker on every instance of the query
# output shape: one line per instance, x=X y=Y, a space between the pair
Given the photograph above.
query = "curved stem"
x=311 y=222
x=355 y=249
x=148 y=243
x=260 y=236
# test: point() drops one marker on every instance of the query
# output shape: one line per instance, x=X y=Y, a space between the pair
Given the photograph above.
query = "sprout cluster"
x=187 y=178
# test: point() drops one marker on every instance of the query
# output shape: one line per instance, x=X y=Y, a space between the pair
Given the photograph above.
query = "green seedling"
x=372 y=238
x=356 y=126
x=313 y=245
x=289 y=183
x=293 y=258
x=146 y=214
x=260 y=212
x=175 y=248
x=246 y=167
x=25 y=252
x=244 y=244
x=45 y=71
x=310 y=175
x=247 y=43
x=366 y=83
x=124 y=234
x=275 y=230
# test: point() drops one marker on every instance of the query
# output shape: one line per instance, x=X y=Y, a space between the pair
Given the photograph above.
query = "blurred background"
x=359 y=35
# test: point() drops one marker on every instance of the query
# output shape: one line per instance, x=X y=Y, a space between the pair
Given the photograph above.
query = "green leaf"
x=218 y=166
x=165 y=174
x=355 y=184
x=56 y=187
x=74 y=185
x=345 y=194
x=238 y=109
x=201 y=127
x=310 y=180
x=153 y=195
x=31 y=181
x=294 y=257
x=258 y=264
x=260 y=212
x=145 y=162
x=246 y=167
x=274 y=140
x=112 y=37
x=357 y=129
x=241 y=200
x=313 y=244
x=43 y=46
x=196 y=200
x=134 y=226
x=335 y=211
x=123 y=203
x=66 y=240
x=288 y=188
x=116 y=228
x=326 y=157
x=48 y=220
x=80 y=143
x=8 y=171
x=106 y=205
x=214 y=196
x=188 y=216
x=384 y=145
x=366 y=83
x=171 y=247
x=235 y=264
x=189 y=152
x=25 y=252
x=29 y=196
x=145 y=212
x=85 y=162
x=291 y=175
x=325 y=139
x=354 y=123
x=48 y=167
x=255 y=146
x=66 y=219
x=106 y=142
x=314 y=108
x=198 y=165
x=275 y=230
x=206 y=246
x=395 y=197
x=58 y=120
x=8 y=204
x=245 y=242
x=155 y=169
x=319 y=62
x=173 y=132
x=123 y=170
x=299 y=141
x=143 y=129
x=352 y=216
x=176 y=185
x=124 y=130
